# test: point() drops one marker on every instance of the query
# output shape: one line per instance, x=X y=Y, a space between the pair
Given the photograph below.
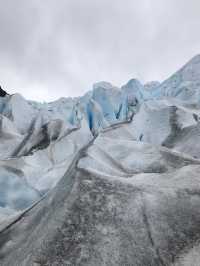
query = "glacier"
x=107 y=178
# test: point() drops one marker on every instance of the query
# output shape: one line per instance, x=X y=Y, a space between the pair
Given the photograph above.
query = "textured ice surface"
x=184 y=84
x=109 y=178
x=120 y=203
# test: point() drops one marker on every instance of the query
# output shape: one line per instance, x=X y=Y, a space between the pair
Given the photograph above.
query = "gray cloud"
x=59 y=48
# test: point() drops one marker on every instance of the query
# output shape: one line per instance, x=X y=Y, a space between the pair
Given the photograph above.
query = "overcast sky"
x=55 y=48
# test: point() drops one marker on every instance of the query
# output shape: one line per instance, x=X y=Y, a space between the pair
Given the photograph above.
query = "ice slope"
x=131 y=203
x=167 y=123
x=125 y=158
x=36 y=148
x=34 y=135
x=159 y=121
x=44 y=163
x=184 y=84
x=112 y=177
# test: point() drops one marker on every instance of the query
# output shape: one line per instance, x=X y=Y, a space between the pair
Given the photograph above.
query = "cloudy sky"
x=55 y=48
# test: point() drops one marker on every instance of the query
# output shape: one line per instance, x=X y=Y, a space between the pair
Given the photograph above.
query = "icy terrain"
x=109 y=178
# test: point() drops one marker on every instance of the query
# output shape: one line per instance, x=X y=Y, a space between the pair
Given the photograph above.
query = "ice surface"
x=108 y=178
x=184 y=84
x=130 y=202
